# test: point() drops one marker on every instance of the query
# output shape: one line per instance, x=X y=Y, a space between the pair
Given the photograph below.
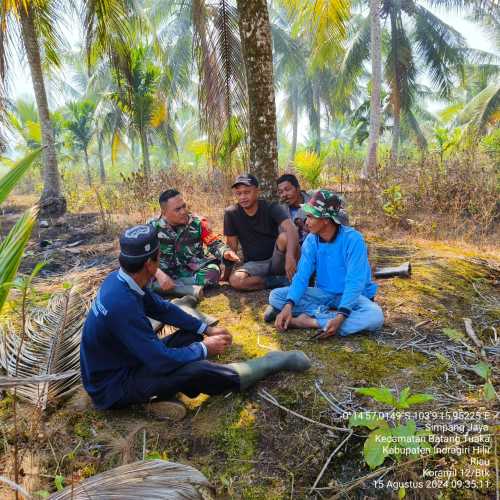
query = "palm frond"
x=440 y=46
x=400 y=69
x=47 y=17
x=140 y=480
x=482 y=110
x=324 y=21
x=8 y=181
x=9 y=382
x=105 y=25
x=449 y=113
x=410 y=121
x=356 y=54
x=11 y=251
x=222 y=87
x=49 y=345
x=9 y=41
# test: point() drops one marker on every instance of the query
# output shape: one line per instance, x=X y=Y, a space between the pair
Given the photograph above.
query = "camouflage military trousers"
x=205 y=276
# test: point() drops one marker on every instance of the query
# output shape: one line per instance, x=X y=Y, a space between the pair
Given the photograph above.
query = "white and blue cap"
x=139 y=242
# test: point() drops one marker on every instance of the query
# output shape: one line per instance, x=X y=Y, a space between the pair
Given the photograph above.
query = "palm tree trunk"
x=146 y=166
x=396 y=94
x=256 y=41
x=370 y=165
x=102 y=170
x=87 y=167
x=317 y=122
x=52 y=202
x=295 y=125
x=396 y=132
x=295 y=129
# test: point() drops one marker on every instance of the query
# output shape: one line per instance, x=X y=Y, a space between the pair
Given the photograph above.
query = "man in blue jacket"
x=122 y=360
x=341 y=300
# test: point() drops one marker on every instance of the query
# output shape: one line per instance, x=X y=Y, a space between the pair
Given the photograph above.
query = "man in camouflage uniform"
x=185 y=267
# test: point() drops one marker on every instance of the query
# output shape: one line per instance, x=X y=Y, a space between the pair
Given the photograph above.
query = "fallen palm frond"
x=49 y=345
x=140 y=480
x=9 y=382
x=92 y=277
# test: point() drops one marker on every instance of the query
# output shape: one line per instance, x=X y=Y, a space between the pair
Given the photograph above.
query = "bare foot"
x=303 y=321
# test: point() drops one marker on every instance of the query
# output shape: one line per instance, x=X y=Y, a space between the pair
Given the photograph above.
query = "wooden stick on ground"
x=271 y=399
x=472 y=335
x=322 y=471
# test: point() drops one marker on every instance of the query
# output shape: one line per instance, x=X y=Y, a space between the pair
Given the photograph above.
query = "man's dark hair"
x=290 y=178
x=166 y=195
x=132 y=266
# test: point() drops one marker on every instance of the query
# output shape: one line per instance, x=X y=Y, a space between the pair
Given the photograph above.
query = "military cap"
x=325 y=204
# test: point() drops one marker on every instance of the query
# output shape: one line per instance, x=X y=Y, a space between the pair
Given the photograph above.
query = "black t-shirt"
x=257 y=233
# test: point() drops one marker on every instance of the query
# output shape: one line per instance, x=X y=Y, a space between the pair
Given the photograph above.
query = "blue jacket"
x=341 y=267
x=118 y=337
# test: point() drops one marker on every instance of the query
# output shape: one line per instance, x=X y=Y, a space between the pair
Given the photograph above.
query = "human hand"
x=290 y=266
x=231 y=256
x=217 y=344
x=165 y=281
x=213 y=331
x=283 y=318
x=332 y=326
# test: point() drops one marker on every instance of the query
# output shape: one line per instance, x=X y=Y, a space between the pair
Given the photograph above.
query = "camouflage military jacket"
x=182 y=250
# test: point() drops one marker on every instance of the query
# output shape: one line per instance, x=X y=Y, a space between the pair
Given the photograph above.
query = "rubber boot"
x=188 y=305
x=252 y=371
x=181 y=290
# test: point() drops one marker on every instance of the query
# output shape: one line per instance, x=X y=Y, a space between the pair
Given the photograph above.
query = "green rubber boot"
x=181 y=290
x=252 y=371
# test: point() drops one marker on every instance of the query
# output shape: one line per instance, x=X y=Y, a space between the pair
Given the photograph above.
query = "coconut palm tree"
x=80 y=124
x=256 y=42
x=140 y=97
x=32 y=24
x=414 y=40
x=323 y=21
x=370 y=164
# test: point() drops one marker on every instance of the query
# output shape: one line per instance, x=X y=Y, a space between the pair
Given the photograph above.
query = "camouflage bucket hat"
x=326 y=204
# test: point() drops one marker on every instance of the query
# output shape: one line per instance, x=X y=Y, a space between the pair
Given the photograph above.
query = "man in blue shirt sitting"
x=122 y=360
x=341 y=300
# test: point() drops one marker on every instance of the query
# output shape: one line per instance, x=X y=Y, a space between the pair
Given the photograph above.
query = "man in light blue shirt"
x=341 y=302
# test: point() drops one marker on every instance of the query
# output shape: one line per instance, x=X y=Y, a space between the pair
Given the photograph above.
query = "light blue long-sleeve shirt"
x=341 y=267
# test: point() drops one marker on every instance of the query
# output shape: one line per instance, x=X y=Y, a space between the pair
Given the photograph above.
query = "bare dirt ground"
x=248 y=447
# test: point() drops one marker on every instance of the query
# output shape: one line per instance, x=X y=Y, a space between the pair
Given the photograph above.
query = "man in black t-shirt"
x=267 y=235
